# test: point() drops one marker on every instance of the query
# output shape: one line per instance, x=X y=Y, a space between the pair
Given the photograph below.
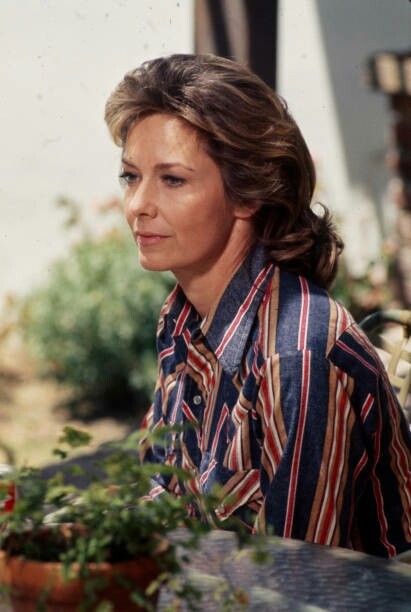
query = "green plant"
x=110 y=520
x=365 y=293
x=92 y=325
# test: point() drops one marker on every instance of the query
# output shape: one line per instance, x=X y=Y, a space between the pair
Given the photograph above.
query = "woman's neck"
x=205 y=287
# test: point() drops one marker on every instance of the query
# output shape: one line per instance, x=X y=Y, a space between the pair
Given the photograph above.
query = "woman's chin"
x=151 y=265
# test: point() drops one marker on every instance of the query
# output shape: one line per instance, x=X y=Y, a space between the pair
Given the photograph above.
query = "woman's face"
x=175 y=202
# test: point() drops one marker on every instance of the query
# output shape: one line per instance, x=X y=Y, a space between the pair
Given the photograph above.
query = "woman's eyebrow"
x=165 y=166
x=126 y=161
x=162 y=166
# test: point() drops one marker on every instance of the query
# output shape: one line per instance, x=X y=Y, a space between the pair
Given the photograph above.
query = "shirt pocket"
x=232 y=489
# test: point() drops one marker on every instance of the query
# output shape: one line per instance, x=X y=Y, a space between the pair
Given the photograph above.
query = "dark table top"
x=296 y=576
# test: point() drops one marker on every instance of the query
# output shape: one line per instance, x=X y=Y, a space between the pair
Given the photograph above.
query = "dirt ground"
x=29 y=421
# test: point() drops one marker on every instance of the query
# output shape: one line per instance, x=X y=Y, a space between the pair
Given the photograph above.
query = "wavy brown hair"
x=249 y=133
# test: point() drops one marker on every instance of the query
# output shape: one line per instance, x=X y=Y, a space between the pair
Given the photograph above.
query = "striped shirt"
x=293 y=414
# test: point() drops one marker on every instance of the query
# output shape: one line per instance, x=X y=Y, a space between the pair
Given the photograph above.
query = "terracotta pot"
x=30 y=581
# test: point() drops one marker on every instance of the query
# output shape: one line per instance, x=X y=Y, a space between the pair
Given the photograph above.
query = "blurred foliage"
x=92 y=324
x=366 y=293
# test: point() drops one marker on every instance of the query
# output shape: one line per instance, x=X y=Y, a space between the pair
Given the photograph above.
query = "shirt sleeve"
x=335 y=459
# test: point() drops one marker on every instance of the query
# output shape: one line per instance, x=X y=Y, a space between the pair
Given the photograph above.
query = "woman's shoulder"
x=305 y=316
x=300 y=317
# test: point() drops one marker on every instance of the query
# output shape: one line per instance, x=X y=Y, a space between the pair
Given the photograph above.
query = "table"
x=298 y=576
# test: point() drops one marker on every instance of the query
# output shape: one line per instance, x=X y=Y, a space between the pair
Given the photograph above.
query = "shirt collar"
x=229 y=324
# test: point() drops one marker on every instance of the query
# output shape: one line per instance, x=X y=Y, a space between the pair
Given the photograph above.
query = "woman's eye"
x=127 y=178
x=173 y=181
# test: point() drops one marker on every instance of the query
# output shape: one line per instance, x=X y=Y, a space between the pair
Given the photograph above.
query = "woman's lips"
x=148 y=239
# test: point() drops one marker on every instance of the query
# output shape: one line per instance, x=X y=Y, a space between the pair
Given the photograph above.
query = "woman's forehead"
x=164 y=133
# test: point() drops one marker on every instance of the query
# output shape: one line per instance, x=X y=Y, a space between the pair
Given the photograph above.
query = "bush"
x=366 y=293
x=92 y=325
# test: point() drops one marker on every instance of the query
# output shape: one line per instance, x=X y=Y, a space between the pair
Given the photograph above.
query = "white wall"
x=60 y=60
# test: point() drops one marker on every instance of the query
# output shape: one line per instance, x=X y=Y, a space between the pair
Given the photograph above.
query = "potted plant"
x=102 y=547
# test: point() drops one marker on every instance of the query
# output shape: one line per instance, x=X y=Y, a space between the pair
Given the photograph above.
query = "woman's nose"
x=142 y=200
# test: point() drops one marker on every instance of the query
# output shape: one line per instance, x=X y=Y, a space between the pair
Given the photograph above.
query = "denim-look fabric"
x=292 y=412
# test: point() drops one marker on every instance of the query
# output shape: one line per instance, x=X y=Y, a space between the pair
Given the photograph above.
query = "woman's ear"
x=246 y=210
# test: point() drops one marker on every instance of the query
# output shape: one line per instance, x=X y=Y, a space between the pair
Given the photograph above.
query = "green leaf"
x=74 y=437
x=60 y=453
x=140 y=600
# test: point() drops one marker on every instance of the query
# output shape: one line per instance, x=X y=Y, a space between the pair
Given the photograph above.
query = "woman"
x=293 y=415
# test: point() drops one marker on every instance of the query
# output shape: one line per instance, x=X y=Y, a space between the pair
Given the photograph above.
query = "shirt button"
x=197 y=399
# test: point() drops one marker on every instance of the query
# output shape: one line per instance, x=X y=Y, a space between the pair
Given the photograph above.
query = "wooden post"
x=244 y=30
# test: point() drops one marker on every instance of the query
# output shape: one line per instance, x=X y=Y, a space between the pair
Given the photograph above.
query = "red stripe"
x=192 y=485
x=292 y=491
x=400 y=455
x=360 y=466
x=269 y=401
x=202 y=367
x=172 y=297
x=148 y=419
x=187 y=336
x=343 y=314
x=348 y=350
x=304 y=312
x=168 y=304
x=242 y=310
x=365 y=344
x=358 y=469
x=268 y=404
x=182 y=319
x=221 y=421
x=233 y=464
x=271 y=444
x=177 y=399
x=262 y=338
x=366 y=407
x=337 y=459
x=189 y=414
x=244 y=491
x=255 y=369
x=205 y=475
x=155 y=491
x=376 y=485
x=166 y=353
x=248 y=484
x=395 y=420
x=191 y=417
